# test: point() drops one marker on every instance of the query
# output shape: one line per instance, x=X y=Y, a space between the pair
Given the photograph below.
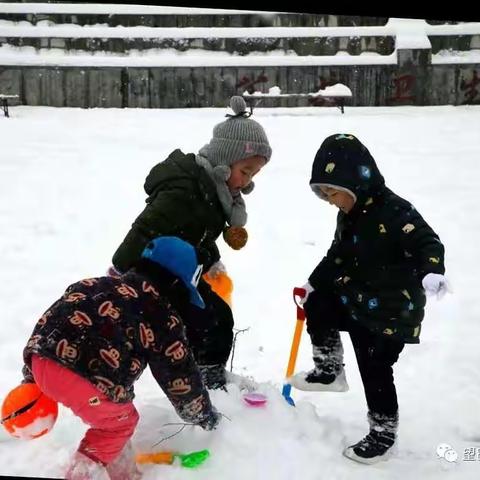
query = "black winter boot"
x=377 y=445
x=328 y=375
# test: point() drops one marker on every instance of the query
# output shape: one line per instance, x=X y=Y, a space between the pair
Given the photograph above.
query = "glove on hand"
x=216 y=269
x=436 y=284
x=308 y=289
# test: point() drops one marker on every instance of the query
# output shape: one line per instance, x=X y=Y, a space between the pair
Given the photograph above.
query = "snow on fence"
x=113 y=9
x=395 y=27
x=407 y=34
x=61 y=31
x=411 y=74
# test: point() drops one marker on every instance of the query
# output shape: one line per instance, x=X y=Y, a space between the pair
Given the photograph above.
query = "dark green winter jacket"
x=182 y=201
x=382 y=248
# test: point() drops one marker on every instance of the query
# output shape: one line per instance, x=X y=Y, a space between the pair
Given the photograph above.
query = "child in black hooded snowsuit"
x=371 y=283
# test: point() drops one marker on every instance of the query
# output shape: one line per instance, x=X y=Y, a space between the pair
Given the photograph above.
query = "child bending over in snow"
x=91 y=346
x=371 y=283
x=197 y=197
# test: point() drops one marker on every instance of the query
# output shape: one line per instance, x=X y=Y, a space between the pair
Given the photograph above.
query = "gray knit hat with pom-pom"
x=236 y=138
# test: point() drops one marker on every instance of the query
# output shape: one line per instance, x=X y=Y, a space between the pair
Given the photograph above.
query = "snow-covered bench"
x=337 y=93
x=4 y=100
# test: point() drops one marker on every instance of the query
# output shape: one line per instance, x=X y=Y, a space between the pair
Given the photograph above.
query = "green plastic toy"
x=188 y=460
x=194 y=459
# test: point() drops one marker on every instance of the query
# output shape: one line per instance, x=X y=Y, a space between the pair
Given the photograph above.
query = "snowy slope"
x=70 y=185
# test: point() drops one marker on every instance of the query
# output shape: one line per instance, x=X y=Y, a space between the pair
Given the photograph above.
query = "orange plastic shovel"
x=287 y=387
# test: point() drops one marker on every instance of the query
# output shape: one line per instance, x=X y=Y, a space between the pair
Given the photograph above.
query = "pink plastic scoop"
x=255 y=399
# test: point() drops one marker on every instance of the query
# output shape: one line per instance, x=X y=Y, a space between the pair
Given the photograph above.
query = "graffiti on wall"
x=470 y=90
x=248 y=84
x=403 y=89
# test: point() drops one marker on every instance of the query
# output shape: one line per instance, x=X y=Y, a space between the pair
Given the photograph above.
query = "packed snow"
x=456 y=57
x=337 y=90
x=70 y=186
x=169 y=57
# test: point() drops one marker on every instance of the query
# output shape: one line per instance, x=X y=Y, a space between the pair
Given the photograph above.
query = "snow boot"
x=317 y=381
x=84 y=468
x=214 y=376
x=377 y=445
x=124 y=466
x=328 y=375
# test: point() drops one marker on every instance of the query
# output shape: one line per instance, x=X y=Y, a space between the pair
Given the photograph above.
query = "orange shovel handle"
x=298 y=331
x=158 y=457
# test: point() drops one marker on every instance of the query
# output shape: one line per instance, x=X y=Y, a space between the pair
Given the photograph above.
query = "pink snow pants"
x=111 y=424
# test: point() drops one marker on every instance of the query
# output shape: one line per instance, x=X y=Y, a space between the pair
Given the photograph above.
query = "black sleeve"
x=207 y=255
x=164 y=214
x=175 y=370
x=327 y=269
x=419 y=240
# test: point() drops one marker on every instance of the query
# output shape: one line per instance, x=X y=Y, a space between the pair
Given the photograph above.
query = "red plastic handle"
x=299 y=292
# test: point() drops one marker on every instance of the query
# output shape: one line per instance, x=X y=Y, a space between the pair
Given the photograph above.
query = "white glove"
x=436 y=284
x=308 y=289
x=216 y=269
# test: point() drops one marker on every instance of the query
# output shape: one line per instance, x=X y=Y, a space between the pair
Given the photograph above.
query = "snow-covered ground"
x=70 y=185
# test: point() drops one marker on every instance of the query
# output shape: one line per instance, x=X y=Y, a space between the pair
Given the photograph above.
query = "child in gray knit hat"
x=237 y=151
x=197 y=197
